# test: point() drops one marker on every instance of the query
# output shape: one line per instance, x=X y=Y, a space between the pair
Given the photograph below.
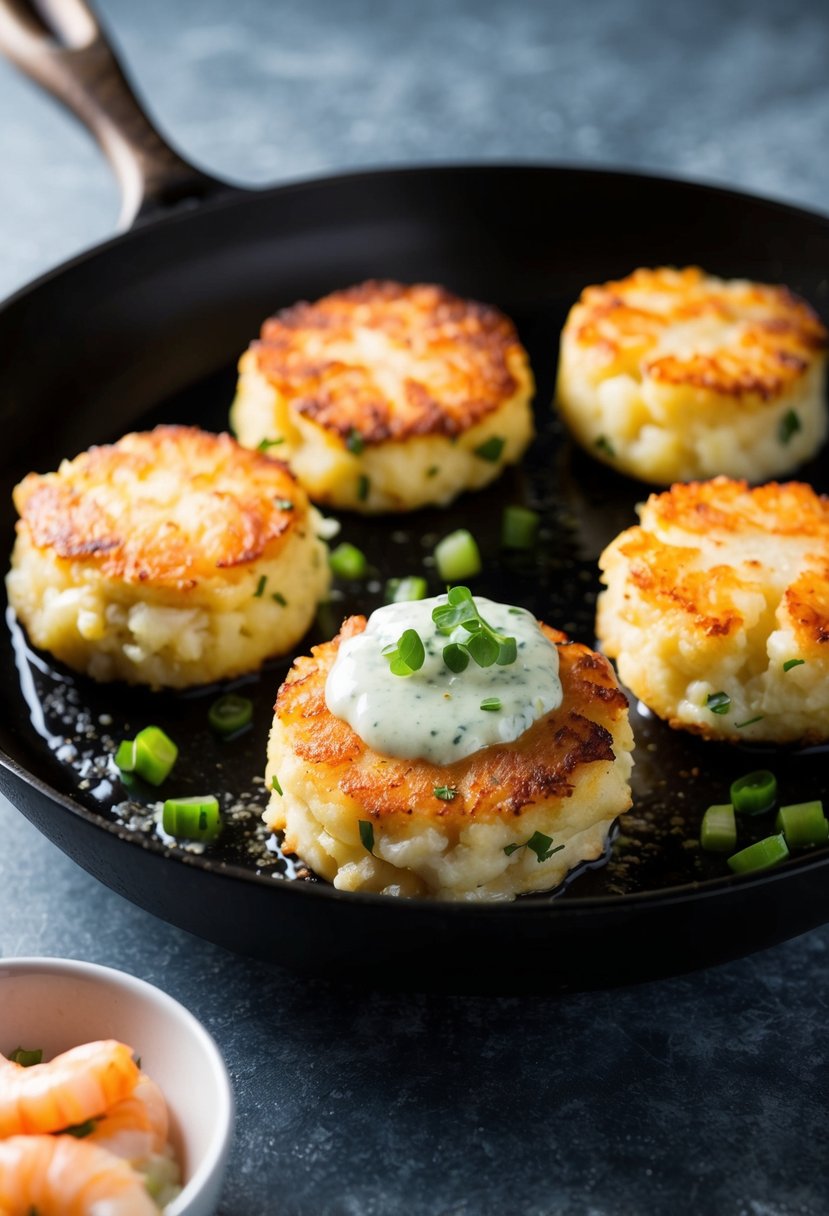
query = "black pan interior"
x=149 y=328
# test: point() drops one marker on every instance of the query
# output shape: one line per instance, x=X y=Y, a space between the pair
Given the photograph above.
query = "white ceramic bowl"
x=57 y=1003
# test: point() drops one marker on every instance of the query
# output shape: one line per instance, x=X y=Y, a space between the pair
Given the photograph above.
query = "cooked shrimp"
x=62 y=1176
x=71 y=1088
x=135 y=1127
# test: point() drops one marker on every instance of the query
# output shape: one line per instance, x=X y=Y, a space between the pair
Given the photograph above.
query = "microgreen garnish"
x=363 y=487
x=264 y=444
x=260 y=586
x=539 y=844
x=484 y=644
x=354 y=441
x=490 y=449
x=718 y=702
x=279 y=598
x=603 y=444
x=275 y=785
x=750 y=721
x=366 y=834
x=284 y=504
x=790 y=663
x=406 y=655
x=445 y=792
x=491 y=703
x=789 y=425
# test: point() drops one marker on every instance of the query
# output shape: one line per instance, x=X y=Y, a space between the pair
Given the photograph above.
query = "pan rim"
x=240 y=196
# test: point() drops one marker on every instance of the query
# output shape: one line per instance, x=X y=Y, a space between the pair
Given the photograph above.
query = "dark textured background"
x=705 y=1094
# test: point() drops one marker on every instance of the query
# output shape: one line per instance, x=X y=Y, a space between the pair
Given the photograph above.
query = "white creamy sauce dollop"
x=435 y=714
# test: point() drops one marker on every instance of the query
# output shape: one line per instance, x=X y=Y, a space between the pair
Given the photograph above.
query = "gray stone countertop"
x=704 y=1094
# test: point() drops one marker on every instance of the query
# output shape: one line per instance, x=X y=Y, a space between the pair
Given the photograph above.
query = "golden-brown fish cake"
x=566 y=777
x=172 y=557
x=717 y=609
x=671 y=375
x=385 y=397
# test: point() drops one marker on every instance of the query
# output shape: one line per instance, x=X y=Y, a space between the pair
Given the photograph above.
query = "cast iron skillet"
x=149 y=326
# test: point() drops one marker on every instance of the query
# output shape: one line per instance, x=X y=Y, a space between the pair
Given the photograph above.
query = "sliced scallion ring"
x=760 y=856
x=718 y=833
x=230 y=713
x=457 y=556
x=754 y=793
x=519 y=528
x=803 y=824
x=347 y=561
x=155 y=754
x=195 y=818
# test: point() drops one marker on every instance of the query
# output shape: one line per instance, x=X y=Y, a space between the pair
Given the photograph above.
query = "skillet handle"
x=60 y=44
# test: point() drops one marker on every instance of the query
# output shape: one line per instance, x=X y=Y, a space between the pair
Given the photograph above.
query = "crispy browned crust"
x=448 y=364
x=504 y=779
x=222 y=507
x=717 y=511
x=780 y=334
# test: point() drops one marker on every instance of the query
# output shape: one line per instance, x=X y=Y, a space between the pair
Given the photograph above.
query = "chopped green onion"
x=285 y=504
x=230 y=713
x=490 y=449
x=196 y=818
x=366 y=833
x=363 y=487
x=406 y=655
x=264 y=444
x=603 y=444
x=155 y=754
x=125 y=756
x=354 y=441
x=789 y=425
x=519 y=528
x=26 y=1058
x=492 y=704
x=347 y=561
x=754 y=793
x=457 y=556
x=445 y=792
x=759 y=856
x=541 y=845
x=718 y=702
x=719 y=829
x=401 y=590
x=803 y=823
x=275 y=785
x=790 y=663
x=260 y=586
x=749 y=721
x=433 y=470
x=279 y=598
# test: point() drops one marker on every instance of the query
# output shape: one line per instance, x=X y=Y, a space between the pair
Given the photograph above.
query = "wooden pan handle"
x=61 y=45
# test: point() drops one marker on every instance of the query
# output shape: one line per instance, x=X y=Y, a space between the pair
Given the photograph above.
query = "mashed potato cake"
x=717 y=610
x=474 y=829
x=169 y=558
x=386 y=397
x=671 y=375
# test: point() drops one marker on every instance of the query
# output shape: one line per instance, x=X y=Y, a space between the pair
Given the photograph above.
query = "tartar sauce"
x=435 y=714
